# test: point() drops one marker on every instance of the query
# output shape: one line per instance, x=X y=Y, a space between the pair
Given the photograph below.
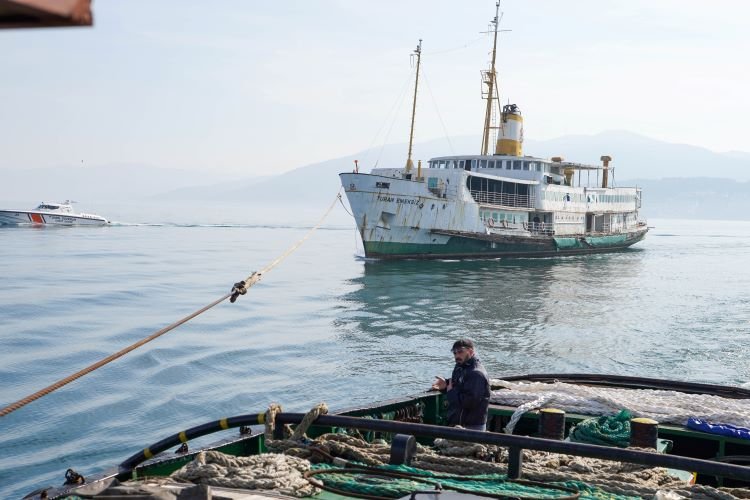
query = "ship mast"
x=409 y=162
x=490 y=80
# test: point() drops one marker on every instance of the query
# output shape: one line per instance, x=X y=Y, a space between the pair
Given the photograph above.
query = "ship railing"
x=517 y=444
x=539 y=228
x=503 y=199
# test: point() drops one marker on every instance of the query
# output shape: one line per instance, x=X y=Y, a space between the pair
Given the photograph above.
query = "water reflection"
x=525 y=314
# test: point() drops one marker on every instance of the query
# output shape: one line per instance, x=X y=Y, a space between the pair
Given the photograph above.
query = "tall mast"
x=409 y=162
x=491 y=86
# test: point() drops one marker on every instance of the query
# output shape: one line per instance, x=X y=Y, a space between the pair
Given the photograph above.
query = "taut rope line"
x=238 y=289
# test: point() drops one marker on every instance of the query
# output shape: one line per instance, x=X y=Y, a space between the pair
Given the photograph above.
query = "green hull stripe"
x=468 y=247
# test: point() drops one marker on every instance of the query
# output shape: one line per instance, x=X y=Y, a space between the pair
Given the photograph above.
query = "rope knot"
x=307 y=421
x=237 y=290
x=72 y=477
x=270 y=420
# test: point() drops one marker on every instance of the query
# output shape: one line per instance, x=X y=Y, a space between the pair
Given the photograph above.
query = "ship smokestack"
x=605 y=171
x=510 y=132
x=568 y=172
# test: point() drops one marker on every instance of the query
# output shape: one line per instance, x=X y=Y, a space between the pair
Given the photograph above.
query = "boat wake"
x=226 y=225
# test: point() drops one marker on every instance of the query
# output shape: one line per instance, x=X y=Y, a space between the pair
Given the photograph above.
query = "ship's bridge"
x=493 y=163
x=512 y=163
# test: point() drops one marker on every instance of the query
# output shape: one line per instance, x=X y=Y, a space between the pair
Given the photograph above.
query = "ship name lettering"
x=403 y=201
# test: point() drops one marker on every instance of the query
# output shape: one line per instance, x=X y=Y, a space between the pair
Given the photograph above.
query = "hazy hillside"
x=678 y=180
x=696 y=198
x=638 y=157
x=634 y=157
x=99 y=183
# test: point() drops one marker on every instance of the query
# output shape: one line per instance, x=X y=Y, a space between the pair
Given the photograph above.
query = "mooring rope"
x=239 y=288
x=664 y=406
x=297 y=455
x=280 y=473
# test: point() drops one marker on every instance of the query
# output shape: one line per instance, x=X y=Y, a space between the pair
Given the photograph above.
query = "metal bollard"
x=403 y=449
x=552 y=423
x=643 y=432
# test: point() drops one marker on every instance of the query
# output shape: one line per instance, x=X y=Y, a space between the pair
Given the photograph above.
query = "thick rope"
x=241 y=290
x=270 y=420
x=307 y=421
x=60 y=383
x=279 y=473
x=446 y=457
x=661 y=405
x=294 y=247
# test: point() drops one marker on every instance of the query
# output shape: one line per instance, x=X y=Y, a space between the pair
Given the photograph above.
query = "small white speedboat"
x=55 y=214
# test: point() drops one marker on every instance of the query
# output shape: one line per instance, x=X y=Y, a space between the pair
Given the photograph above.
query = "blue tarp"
x=722 y=429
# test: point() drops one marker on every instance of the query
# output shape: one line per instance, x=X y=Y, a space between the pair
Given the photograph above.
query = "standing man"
x=468 y=389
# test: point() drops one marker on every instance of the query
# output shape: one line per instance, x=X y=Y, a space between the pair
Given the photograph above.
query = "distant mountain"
x=215 y=191
x=740 y=155
x=695 y=182
x=117 y=181
x=634 y=157
x=319 y=182
x=638 y=157
x=695 y=198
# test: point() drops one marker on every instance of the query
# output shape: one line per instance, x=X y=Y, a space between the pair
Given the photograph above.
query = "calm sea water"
x=325 y=325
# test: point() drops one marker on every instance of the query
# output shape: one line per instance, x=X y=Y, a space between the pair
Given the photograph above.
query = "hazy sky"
x=257 y=87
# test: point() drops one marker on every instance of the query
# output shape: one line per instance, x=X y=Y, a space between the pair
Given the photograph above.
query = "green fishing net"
x=372 y=483
x=607 y=431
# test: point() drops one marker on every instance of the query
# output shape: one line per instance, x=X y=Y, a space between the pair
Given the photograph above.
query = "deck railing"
x=539 y=227
x=516 y=445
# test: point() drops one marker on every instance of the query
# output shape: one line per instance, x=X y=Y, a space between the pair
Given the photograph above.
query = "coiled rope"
x=239 y=288
x=604 y=431
x=280 y=473
x=594 y=479
x=661 y=405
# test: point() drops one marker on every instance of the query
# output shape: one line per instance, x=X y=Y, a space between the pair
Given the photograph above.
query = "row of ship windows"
x=568 y=218
x=502 y=164
x=591 y=198
x=498 y=216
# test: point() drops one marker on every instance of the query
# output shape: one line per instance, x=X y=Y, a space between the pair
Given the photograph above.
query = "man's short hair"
x=468 y=343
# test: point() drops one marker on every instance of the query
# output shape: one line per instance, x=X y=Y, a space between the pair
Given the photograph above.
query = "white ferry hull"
x=15 y=217
x=409 y=221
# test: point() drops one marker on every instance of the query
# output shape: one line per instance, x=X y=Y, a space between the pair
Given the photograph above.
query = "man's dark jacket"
x=470 y=396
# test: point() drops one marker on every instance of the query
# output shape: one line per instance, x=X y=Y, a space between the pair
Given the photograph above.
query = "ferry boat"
x=52 y=214
x=494 y=204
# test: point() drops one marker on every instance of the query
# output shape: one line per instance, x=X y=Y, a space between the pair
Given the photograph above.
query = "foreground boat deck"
x=681 y=450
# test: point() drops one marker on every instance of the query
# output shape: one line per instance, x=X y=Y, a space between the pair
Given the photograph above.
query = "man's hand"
x=440 y=383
